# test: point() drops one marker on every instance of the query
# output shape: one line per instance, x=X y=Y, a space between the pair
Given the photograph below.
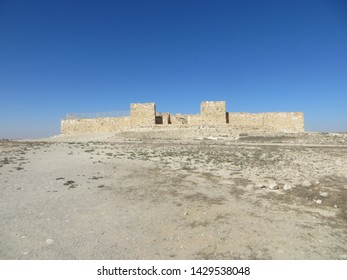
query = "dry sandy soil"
x=107 y=197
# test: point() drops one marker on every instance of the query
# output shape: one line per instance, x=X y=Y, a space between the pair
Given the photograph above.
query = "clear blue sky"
x=93 y=56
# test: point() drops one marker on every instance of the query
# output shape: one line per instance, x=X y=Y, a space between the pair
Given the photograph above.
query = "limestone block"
x=194 y=119
x=178 y=119
x=142 y=114
x=213 y=112
x=81 y=126
x=270 y=122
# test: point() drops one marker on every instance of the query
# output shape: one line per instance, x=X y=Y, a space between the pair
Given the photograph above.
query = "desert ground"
x=253 y=196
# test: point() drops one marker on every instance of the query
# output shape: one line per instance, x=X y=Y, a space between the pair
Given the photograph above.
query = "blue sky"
x=94 y=56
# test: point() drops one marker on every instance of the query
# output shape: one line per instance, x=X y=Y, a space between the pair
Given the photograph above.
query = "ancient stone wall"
x=284 y=122
x=178 y=119
x=81 y=126
x=162 y=118
x=142 y=114
x=194 y=119
x=213 y=112
x=272 y=122
x=182 y=131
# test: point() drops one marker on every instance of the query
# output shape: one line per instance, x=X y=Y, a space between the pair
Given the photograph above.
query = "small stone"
x=323 y=194
x=185 y=213
x=261 y=185
x=318 y=201
x=335 y=206
x=306 y=183
x=273 y=186
x=287 y=187
x=49 y=241
x=316 y=182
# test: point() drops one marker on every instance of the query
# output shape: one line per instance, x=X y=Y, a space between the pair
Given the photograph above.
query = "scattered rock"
x=267 y=185
x=287 y=187
x=262 y=186
x=49 y=241
x=323 y=194
x=335 y=206
x=273 y=186
x=318 y=201
x=185 y=213
x=69 y=182
x=306 y=183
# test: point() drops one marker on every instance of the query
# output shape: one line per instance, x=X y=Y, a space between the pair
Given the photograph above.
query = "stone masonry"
x=142 y=114
x=212 y=114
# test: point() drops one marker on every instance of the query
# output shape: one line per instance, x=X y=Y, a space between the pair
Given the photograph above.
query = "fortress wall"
x=284 y=122
x=182 y=131
x=191 y=119
x=142 y=114
x=178 y=119
x=272 y=122
x=246 y=121
x=194 y=119
x=162 y=118
x=166 y=118
x=81 y=126
x=213 y=112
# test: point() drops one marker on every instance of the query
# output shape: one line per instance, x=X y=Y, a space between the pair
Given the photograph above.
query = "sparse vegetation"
x=185 y=199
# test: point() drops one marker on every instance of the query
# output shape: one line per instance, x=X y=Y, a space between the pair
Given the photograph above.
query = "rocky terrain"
x=135 y=196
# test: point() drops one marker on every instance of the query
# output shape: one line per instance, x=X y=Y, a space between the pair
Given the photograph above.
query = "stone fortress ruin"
x=213 y=115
